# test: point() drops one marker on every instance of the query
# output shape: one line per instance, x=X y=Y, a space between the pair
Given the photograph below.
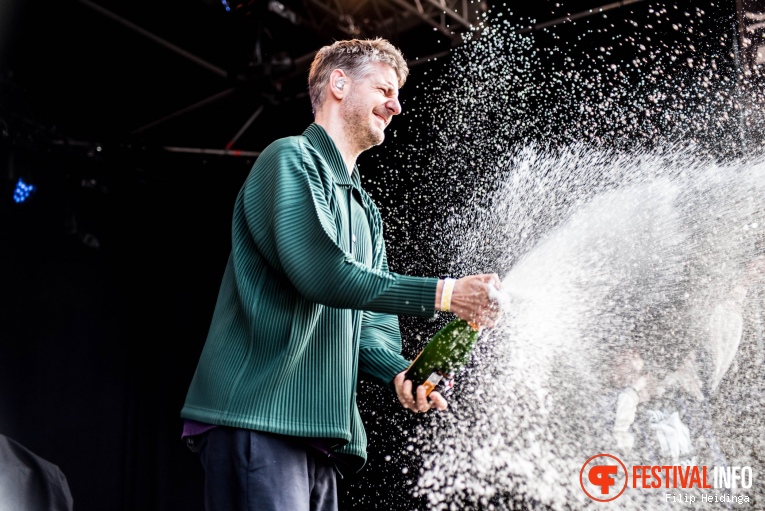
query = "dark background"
x=137 y=122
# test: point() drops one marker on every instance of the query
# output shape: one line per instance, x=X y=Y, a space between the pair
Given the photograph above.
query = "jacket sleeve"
x=380 y=346
x=288 y=207
x=380 y=340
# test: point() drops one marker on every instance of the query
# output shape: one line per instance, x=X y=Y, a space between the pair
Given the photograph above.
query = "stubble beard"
x=358 y=125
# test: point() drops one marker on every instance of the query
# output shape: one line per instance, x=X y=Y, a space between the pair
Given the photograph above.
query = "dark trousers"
x=255 y=471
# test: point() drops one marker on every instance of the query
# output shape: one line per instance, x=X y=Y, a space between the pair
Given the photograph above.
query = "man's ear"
x=338 y=84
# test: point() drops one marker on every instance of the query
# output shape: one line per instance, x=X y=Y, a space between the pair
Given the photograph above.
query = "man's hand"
x=423 y=403
x=475 y=299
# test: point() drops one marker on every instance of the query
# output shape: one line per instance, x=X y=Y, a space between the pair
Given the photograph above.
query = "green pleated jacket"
x=306 y=302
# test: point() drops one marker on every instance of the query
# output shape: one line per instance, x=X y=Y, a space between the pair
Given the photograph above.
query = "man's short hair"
x=356 y=57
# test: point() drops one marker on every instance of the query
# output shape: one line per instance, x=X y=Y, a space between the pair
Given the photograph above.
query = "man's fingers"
x=492 y=279
x=398 y=383
x=438 y=401
x=403 y=390
x=422 y=404
x=406 y=391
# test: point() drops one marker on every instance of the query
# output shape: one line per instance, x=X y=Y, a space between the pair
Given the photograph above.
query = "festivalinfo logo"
x=604 y=478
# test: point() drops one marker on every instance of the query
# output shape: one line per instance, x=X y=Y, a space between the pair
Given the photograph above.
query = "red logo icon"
x=602 y=475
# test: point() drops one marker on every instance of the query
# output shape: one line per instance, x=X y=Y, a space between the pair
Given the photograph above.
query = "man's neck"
x=337 y=134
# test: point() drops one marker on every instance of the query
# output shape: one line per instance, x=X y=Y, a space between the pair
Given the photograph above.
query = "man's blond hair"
x=357 y=58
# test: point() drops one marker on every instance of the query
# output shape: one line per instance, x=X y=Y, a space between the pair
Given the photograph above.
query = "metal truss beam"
x=373 y=17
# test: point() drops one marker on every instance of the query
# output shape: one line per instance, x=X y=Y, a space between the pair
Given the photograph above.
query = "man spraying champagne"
x=307 y=301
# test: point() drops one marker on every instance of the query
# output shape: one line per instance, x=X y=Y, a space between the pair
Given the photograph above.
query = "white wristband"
x=446 y=294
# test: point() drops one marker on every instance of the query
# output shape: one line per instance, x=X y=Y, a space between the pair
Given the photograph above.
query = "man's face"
x=371 y=103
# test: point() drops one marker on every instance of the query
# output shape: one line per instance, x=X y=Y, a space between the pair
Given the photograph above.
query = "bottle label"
x=431 y=382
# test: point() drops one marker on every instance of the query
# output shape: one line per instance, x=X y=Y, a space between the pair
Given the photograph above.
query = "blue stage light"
x=22 y=191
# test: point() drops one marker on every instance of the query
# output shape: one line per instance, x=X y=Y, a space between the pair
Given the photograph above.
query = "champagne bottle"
x=443 y=356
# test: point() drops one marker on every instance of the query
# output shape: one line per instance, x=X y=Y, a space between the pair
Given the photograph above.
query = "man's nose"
x=394 y=107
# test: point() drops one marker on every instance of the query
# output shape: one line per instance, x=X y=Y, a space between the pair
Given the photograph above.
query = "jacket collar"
x=319 y=138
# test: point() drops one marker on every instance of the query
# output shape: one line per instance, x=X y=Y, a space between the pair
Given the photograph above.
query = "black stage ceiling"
x=216 y=74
